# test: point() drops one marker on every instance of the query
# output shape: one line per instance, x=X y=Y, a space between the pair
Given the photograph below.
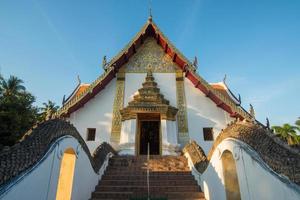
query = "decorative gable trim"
x=151 y=30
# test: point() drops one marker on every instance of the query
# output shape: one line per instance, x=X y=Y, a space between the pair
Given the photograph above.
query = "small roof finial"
x=224 y=79
x=64 y=100
x=104 y=63
x=252 y=112
x=195 y=62
x=78 y=79
x=150 y=11
x=267 y=123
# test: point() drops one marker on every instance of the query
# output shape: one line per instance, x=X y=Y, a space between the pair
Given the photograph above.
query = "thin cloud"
x=53 y=28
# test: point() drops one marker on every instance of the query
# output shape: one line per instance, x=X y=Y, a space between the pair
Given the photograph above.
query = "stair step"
x=151 y=177
x=153 y=182
x=178 y=195
x=153 y=189
x=169 y=177
x=143 y=173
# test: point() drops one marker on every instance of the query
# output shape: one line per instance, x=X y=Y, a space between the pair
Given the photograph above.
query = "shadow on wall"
x=230 y=176
x=66 y=175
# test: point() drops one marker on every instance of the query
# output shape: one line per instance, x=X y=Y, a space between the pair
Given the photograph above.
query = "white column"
x=172 y=132
x=164 y=131
x=169 y=137
x=127 y=138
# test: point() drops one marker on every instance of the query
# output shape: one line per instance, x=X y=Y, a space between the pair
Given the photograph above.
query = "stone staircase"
x=126 y=178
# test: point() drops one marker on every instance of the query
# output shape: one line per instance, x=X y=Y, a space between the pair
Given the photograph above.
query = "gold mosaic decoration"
x=181 y=105
x=149 y=100
x=150 y=54
x=118 y=104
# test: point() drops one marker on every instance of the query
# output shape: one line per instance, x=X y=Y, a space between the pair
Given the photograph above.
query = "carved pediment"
x=150 y=53
x=149 y=100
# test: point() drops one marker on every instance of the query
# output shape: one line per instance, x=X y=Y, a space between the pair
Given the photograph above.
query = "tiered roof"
x=150 y=29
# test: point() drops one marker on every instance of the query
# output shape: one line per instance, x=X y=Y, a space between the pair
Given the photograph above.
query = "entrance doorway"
x=149 y=132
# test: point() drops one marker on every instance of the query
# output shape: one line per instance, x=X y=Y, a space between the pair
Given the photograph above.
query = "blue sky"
x=256 y=43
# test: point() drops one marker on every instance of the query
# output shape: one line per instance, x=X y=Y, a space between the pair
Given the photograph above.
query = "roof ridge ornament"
x=150 y=11
x=267 y=123
x=104 y=63
x=225 y=78
x=195 y=62
x=78 y=79
x=251 y=111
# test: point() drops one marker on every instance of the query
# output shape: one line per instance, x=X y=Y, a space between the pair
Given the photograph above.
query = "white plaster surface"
x=203 y=112
x=255 y=181
x=96 y=113
x=41 y=183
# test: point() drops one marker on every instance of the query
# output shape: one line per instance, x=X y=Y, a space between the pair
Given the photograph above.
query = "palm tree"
x=298 y=123
x=1 y=89
x=287 y=133
x=48 y=110
x=11 y=87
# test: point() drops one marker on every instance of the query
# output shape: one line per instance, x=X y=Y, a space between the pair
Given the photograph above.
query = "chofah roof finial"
x=252 y=112
x=78 y=79
x=195 y=63
x=267 y=123
x=104 y=63
x=224 y=79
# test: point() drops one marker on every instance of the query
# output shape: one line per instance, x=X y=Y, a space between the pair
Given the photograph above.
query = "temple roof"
x=80 y=88
x=150 y=29
x=224 y=89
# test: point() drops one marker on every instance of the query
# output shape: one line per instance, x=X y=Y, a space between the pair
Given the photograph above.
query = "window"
x=91 y=134
x=208 y=134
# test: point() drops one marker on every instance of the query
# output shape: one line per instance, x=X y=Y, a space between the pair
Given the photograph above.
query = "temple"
x=150 y=80
x=151 y=99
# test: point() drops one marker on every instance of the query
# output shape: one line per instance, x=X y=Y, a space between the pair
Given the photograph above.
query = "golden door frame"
x=147 y=117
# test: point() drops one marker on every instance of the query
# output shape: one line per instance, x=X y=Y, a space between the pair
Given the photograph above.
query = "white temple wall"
x=203 y=112
x=255 y=180
x=42 y=181
x=96 y=113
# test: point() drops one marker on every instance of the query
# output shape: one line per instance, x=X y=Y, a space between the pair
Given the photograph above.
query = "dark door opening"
x=149 y=134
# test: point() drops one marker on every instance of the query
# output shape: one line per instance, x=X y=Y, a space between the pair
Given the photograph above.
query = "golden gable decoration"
x=149 y=100
x=150 y=54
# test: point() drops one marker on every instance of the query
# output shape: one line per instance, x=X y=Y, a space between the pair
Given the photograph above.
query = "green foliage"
x=288 y=133
x=17 y=114
x=48 y=109
x=298 y=123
